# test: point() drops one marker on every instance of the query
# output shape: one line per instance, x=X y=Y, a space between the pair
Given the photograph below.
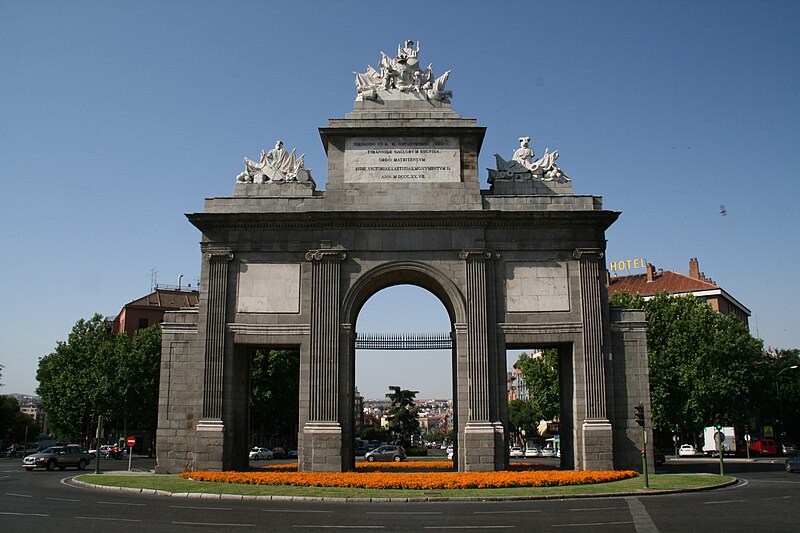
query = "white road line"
x=470 y=527
x=292 y=511
x=597 y=508
x=22 y=514
x=585 y=524
x=106 y=519
x=777 y=498
x=123 y=503
x=724 y=501
x=62 y=499
x=641 y=518
x=508 y=512
x=412 y=513
x=18 y=495
x=301 y=526
x=201 y=508
x=213 y=524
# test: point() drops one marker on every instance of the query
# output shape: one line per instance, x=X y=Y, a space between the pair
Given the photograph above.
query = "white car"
x=256 y=454
x=516 y=451
x=533 y=451
x=687 y=450
x=549 y=452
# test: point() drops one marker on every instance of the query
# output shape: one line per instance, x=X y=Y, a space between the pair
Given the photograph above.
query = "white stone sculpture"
x=276 y=166
x=522 y=165
x=401 y=75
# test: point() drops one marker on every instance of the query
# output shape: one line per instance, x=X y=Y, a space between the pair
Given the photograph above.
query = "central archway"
x=389 y=275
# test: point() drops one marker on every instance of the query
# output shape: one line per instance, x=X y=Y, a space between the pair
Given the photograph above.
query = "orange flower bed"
x=415 y=480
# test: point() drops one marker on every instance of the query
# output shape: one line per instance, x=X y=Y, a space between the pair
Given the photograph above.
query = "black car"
x=793 y=462
x=58 y=456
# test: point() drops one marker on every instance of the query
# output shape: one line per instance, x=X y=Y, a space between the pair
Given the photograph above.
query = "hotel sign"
x=627 y=264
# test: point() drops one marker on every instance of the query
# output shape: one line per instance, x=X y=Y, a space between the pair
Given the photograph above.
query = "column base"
x=483 y=448
x=321 y=448
x=598 y=445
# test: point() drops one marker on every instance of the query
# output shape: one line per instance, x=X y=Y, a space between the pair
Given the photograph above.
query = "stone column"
x=209 y=446
x=483 y=437
x=322 y=433
x=597 y=437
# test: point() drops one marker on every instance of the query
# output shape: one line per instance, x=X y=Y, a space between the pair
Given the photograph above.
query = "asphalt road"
x=765 y=500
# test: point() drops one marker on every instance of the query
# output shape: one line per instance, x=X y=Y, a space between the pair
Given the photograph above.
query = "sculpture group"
x=523 y=166
x=276 y=166
x=401 y=75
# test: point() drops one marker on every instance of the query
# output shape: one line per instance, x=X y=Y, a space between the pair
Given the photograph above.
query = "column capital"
x=478 y=255
x=580 y=252
x=225 y=255
x=321 y=255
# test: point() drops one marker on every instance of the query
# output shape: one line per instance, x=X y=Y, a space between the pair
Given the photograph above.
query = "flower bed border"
x=415 y=480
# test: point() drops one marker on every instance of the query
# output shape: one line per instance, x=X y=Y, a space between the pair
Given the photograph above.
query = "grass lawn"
x=175 y=484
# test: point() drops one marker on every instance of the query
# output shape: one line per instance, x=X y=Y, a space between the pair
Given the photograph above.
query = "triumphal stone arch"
x=286 y=265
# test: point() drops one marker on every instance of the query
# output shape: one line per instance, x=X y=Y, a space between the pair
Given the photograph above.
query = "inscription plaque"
x=402 y=159
x=268 y=288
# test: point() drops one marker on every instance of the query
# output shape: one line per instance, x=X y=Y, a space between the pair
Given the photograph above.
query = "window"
x=142 y=323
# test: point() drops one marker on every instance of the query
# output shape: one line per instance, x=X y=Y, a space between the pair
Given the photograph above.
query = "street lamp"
x=778 y=391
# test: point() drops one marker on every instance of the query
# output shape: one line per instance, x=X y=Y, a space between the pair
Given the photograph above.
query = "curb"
x=436 y=499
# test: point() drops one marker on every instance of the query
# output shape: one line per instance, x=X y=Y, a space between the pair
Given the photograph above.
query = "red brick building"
x=150 y=309
x=696 y=283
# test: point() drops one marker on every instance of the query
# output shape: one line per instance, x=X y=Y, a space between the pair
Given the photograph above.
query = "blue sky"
x=116 y=118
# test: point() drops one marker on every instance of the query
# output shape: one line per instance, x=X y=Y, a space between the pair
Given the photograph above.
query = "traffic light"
x=639 y=412
x=718 y=421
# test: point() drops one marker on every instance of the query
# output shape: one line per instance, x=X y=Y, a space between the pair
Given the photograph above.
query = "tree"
x=98 y=373
x=403 y=414
x=274 y=381
x=522 y=417
x=541 y=377
x=701 y=362
x=14 y=423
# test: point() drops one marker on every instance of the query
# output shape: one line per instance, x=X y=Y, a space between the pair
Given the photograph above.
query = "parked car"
x=549 y=452
x=278 y=452
x=764 y=447
x=686 y=450
x=388 y=452
x=533 y=451
x=257 y=454
x=58 y=456
x=659 y=458
x=793 y=462
x=788 y=448
x=516 y=451
x=292 y=454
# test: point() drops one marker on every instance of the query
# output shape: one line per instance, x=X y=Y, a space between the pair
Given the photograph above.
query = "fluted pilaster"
x=215 y=331
x=477 y=333
x=325 y=304
x=589 y=260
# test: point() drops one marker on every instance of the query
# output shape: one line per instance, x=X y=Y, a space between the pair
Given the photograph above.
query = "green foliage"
x=522 y=417
x=274 y=382
x=96 y=373
x=13 y=422
x=541 y=377
x=374 y=433
x=403 y=414
x=701 y=362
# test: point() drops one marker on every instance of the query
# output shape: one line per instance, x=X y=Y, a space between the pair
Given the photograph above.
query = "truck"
x=710 y=443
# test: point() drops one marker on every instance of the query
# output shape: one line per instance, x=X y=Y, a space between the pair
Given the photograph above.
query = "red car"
x=764 y=447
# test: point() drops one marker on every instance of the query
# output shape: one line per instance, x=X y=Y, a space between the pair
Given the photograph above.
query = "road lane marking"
x=213 y=524
x=291 y=511
x=106 y=519
x=22 y=514
x=724 y=501
x=596 y=508
x=301 y=526
x=508 y=512
x=18 y=495
x=63 y=499
x=470 y=527
x=201 y=508
x=123 y=503
x=413 y=513
x=584 y=524
x=641 y=518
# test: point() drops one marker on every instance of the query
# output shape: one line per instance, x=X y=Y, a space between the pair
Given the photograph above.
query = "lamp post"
x=778 y=391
